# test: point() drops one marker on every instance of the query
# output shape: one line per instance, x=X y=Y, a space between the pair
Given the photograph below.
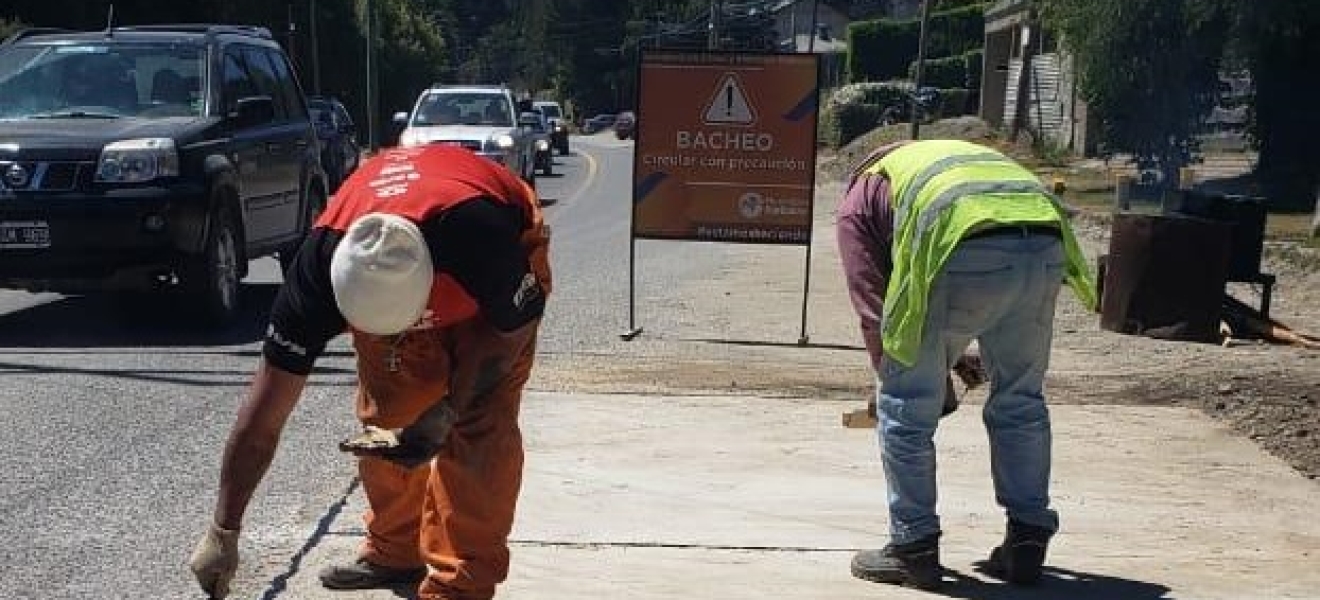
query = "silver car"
x=483 y=119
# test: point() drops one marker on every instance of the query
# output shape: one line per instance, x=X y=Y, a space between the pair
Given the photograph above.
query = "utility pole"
x=371 y=75
x=316 y=51
x=713 y=26
x=921 y=68
x=293 y=29
x=811 y=39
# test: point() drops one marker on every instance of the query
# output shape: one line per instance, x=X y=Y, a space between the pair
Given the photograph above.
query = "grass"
x=1088 y=186
x=1092 y=190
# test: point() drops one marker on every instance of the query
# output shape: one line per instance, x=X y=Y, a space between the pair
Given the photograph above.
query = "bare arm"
x=252 y=442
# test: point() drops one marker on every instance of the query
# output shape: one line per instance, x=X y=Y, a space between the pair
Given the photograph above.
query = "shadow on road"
x=1056 y=583
x=768 y=344
x=103 y=321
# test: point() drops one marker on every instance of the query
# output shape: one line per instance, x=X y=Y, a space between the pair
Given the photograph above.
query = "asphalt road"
x=116 y=416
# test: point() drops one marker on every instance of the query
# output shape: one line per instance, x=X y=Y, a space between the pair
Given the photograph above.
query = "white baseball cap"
x=381 y=274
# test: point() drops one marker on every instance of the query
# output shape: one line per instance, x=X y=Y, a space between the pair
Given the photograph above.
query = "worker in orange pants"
x=435 y=261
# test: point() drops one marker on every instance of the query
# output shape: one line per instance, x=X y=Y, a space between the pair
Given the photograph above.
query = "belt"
x=1023 y=230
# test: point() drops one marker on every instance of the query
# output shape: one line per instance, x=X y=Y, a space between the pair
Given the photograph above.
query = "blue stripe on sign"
x=806 y=106
x=647 y=185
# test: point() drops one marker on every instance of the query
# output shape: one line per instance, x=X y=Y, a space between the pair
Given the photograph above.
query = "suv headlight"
x=409 y=137
x=135 y=161
x=503 y=141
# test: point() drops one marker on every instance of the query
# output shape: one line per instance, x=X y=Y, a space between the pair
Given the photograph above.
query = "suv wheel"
x=216 y=274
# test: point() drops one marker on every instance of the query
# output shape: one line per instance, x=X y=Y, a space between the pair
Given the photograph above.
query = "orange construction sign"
x=726 y=147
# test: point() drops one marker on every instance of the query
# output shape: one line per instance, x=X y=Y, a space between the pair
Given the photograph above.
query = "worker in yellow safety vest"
x=943 y=243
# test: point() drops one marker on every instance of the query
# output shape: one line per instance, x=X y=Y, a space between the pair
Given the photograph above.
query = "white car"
x=483 y=119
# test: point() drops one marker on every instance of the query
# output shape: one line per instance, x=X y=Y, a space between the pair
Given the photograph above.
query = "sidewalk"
x=653 y=497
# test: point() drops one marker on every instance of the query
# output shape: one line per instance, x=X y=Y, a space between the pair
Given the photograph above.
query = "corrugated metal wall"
x=1050 y=104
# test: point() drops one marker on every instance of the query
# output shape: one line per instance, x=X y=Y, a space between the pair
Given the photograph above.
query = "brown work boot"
x=915 y=564
x=363 y=575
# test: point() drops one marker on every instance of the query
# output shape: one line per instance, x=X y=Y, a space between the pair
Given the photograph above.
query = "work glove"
x=411 y=446
x=215 y=560
x=971 y=370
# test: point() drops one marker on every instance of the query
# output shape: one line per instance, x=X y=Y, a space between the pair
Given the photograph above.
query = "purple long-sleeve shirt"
x=865 y=232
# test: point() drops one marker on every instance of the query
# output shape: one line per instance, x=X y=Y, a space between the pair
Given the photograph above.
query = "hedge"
x=883 y=48
x=961 y=71
x=855 y=109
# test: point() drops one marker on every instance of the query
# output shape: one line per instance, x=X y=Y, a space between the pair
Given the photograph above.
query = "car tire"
x=214 y=278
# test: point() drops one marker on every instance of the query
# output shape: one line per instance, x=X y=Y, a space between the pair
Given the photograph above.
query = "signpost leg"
x=806 y=289
x=633 y=329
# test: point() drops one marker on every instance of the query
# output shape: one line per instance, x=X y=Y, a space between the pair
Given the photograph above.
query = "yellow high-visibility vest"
x=940 y=191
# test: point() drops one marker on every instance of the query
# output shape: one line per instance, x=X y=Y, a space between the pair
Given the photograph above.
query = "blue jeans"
x=1000 y=291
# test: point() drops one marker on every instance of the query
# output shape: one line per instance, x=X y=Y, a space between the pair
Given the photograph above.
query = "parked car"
x=625 y=125
x=340 y=152
x=481 y=118
x=151 y=159
x=597 y=123
x=554 y=114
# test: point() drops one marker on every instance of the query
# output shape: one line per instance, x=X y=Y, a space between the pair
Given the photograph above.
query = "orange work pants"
x=453 y=514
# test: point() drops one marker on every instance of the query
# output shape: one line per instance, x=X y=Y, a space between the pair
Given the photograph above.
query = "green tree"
x=1280 y=40
x=1148 y=68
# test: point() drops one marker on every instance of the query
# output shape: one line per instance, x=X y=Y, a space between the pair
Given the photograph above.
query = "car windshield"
x=101 y=80
x=551 y=111
x=464 y=108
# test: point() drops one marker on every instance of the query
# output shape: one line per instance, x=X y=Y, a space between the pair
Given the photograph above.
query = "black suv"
x=152 y=158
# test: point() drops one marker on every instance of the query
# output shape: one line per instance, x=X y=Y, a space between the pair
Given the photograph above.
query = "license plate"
x=24 y=234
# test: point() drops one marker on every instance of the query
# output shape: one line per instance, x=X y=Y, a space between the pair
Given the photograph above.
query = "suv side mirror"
x=253 y=110
x=400 y=118
x=529 y=119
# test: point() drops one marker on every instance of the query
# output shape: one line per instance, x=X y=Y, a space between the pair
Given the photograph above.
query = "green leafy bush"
x=881 y=49
x=948 y=72
x=856 y=108
x=956 y=102
x=885 y=48
x=956 y=31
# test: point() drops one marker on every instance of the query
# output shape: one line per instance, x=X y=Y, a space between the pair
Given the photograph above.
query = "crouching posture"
x=435 y=262
x=943 y=243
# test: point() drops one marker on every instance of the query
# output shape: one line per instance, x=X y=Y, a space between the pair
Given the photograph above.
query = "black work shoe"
x=363 y=575
x=1019 y=559
x=915 y=564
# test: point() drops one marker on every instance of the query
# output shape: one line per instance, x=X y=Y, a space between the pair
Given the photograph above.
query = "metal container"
x=1246 y=215
x=1165 y=276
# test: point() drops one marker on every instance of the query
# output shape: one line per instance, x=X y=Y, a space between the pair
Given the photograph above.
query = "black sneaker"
x=915 y=564
x=1020 y=558
x=363 y=575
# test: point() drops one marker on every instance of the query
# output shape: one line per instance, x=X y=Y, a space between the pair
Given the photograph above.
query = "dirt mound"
x=960 y=128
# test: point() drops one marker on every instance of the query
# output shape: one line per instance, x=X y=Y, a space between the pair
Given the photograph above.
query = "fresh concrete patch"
x=658 y=497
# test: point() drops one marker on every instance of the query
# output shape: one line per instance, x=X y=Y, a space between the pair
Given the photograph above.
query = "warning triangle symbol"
x=729 y=106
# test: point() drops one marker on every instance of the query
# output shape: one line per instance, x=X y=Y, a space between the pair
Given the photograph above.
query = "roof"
x=141 y=32
x=1006 y=8
x=437 y=87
